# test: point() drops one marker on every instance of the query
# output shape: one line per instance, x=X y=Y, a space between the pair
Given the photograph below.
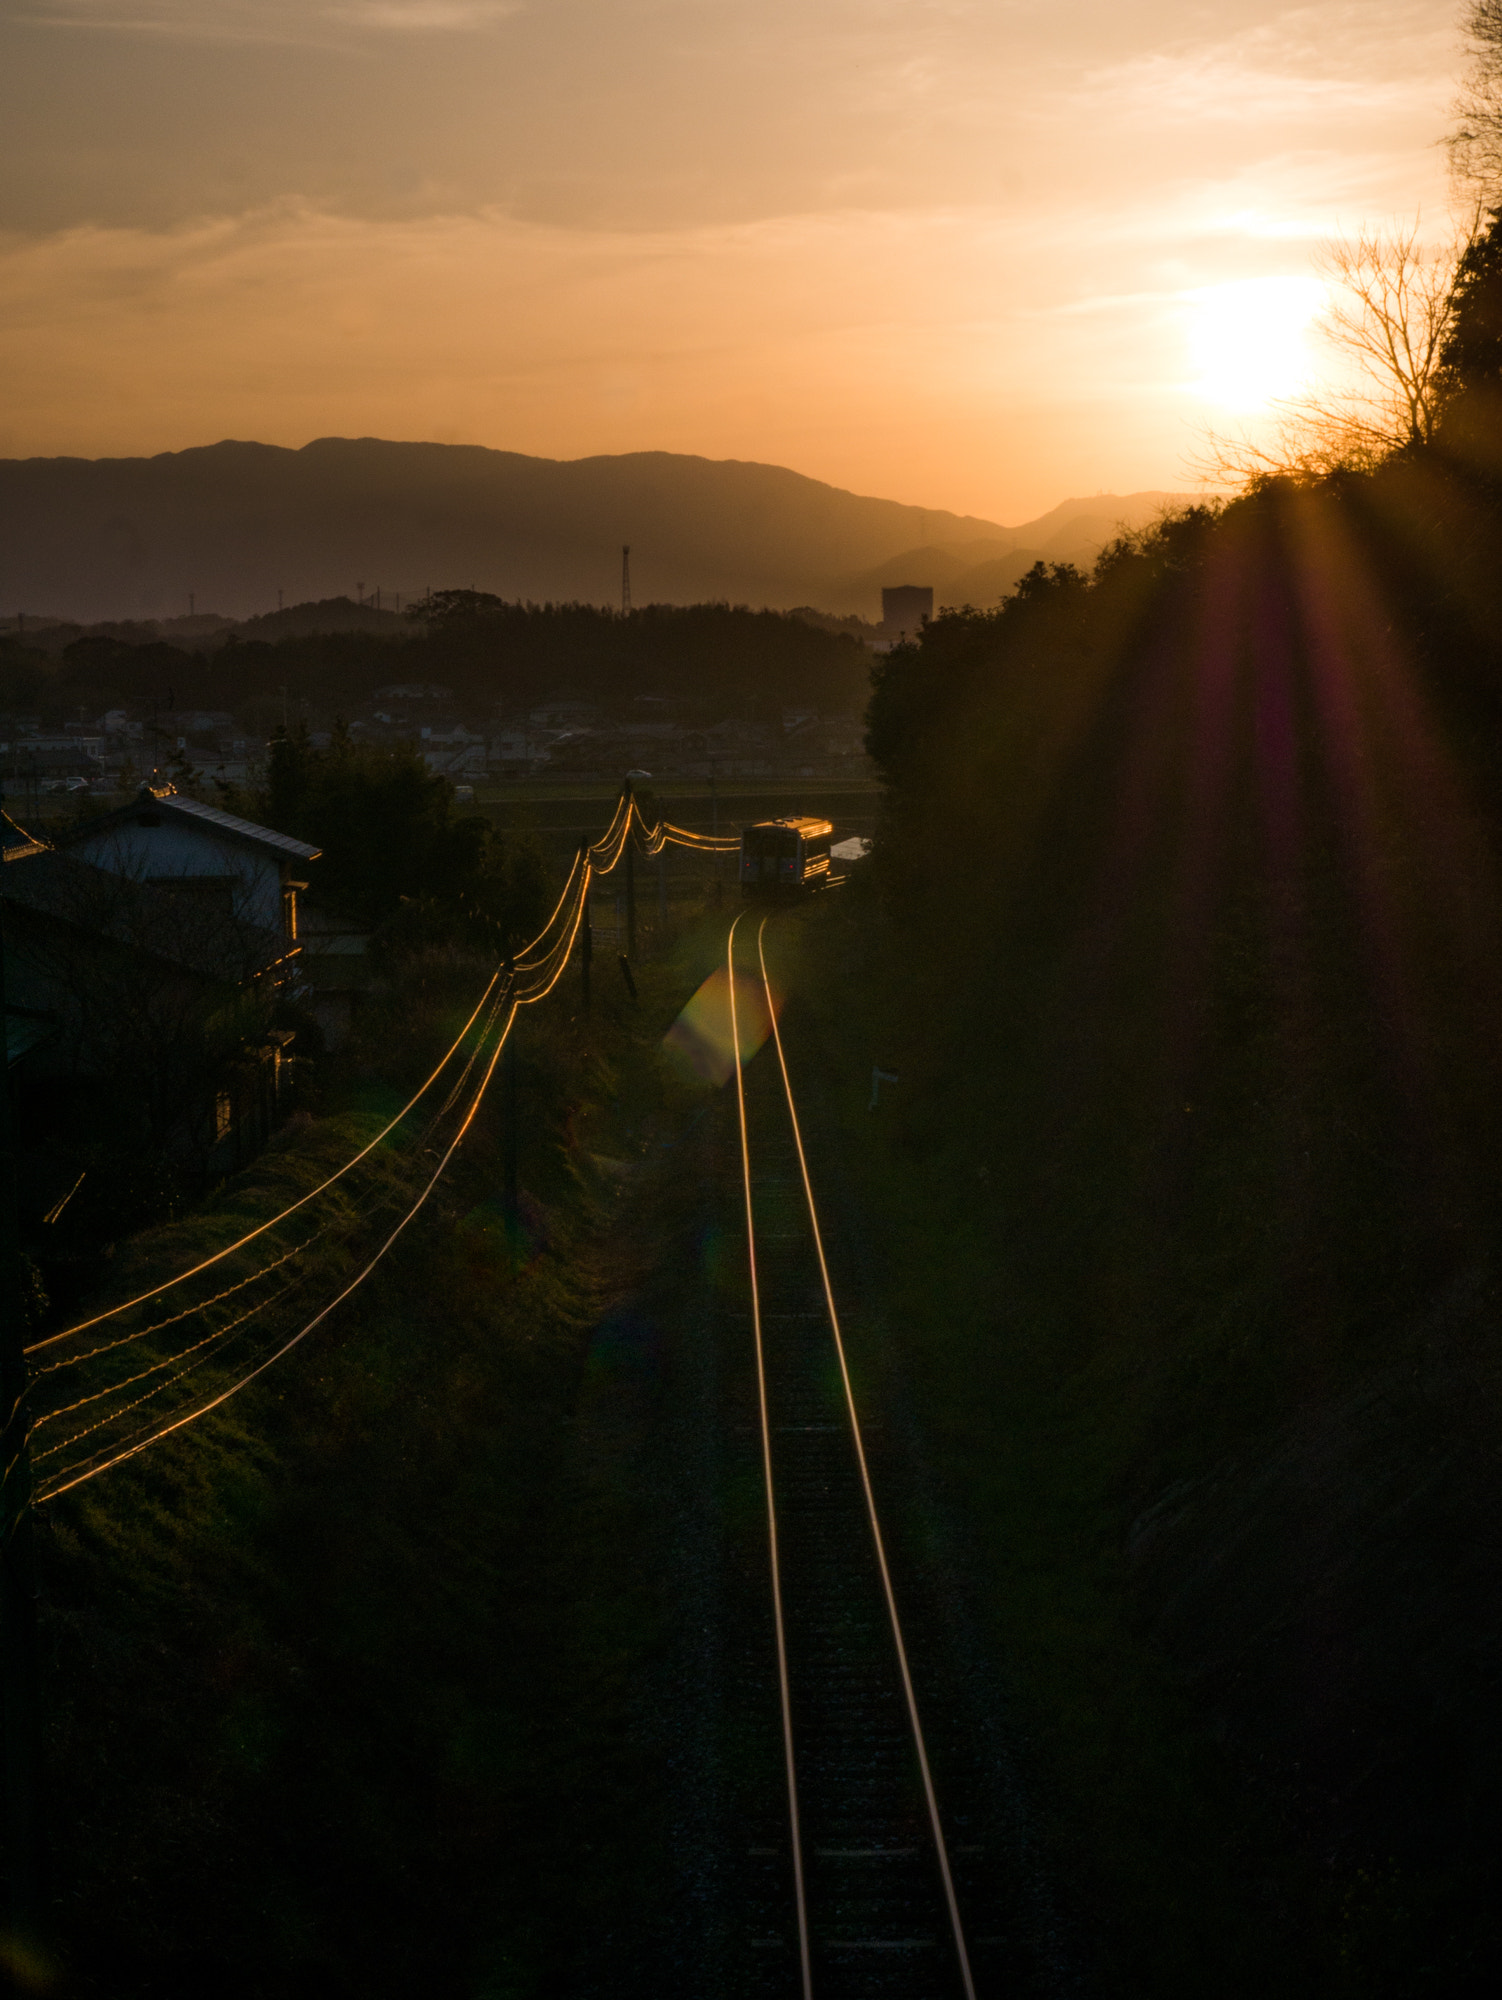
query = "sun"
x=1248 y=340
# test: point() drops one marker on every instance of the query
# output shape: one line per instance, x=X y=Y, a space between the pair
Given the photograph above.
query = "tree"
x=1391 y=315
x=390 y=839
x=1476 y=142
x=1473 y=343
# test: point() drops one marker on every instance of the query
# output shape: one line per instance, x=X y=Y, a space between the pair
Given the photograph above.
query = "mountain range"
x=235 y=528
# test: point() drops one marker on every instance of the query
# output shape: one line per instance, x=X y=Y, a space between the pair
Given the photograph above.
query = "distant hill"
x=982 y=571
x=235 y=523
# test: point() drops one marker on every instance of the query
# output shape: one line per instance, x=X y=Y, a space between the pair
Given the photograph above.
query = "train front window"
x=767 y=842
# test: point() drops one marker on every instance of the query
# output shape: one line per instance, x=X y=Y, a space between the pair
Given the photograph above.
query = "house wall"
x=172 y=850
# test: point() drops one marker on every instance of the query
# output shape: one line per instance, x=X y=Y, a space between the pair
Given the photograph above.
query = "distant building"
x=903 y=610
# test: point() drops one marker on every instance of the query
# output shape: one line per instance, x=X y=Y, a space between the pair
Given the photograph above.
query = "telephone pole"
x=630 y=878
x=510 y=1195
x=586 y=937
x=625 y=579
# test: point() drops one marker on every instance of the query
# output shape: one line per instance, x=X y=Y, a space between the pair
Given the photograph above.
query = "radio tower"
x=625 y=578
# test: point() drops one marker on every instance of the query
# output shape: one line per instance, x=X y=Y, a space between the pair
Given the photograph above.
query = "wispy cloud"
x=281 y=21
x=1018 y=352
x=1302 y=66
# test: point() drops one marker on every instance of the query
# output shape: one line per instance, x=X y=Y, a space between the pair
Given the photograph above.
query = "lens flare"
x=700 y=1046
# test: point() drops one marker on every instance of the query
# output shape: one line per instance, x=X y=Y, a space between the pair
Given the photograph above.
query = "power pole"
x=586 y=939
x=18 y=1651
x=630 y=881
x=625 y=579
x=510 y=1197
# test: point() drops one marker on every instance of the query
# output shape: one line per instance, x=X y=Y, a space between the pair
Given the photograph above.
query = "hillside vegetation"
x=339 y=1680
x=1184 y=934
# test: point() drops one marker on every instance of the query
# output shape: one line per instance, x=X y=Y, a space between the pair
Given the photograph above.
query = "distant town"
x=577 y=731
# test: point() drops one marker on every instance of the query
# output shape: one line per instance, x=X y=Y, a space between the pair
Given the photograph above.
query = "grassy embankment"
x=1204 y=1428
x=335 y=1678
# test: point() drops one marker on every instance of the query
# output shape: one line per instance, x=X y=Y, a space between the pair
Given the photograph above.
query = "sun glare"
x=1248 y=340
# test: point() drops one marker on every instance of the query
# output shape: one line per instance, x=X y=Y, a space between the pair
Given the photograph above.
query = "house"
x=139 y=1019
x=54 y=754
x=165 y=840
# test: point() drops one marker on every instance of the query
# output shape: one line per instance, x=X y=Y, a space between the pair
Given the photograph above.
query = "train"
x=785 y=857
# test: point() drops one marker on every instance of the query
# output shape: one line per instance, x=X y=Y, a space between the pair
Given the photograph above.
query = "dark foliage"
x=394 y=853
x=707 y=659
x=1472 y=358
x=1191 y=970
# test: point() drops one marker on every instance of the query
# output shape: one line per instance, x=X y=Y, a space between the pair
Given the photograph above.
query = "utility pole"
x=18 y=1652
x=586 y=937
x=510 y=1196
x=630 y=879
x=662 y=893
x=625 y=579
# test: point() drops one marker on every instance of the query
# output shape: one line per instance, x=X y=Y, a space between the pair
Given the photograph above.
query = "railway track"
x=856 y=1891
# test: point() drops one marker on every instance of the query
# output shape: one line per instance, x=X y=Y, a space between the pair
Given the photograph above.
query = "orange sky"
x=976 y=256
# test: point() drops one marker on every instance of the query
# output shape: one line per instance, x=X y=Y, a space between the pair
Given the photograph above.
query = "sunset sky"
x=977 y=254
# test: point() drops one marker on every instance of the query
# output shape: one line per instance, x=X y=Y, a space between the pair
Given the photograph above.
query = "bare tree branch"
x=1476 y=142
x=1390 y=313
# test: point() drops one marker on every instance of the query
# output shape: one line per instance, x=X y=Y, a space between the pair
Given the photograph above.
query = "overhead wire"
x=531 y=976
x=528 y=959
x=131 y=1451
x=250 y=1236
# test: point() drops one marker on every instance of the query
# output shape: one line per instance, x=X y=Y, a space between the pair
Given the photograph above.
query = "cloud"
x=276 y=21
x=977 y=358
x=1303 y=65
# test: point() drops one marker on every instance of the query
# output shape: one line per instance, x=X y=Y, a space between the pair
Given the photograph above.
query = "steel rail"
x=930 y=1797
x=784 y=1683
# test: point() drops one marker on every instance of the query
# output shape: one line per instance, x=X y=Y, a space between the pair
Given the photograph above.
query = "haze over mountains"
x=233 y=524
